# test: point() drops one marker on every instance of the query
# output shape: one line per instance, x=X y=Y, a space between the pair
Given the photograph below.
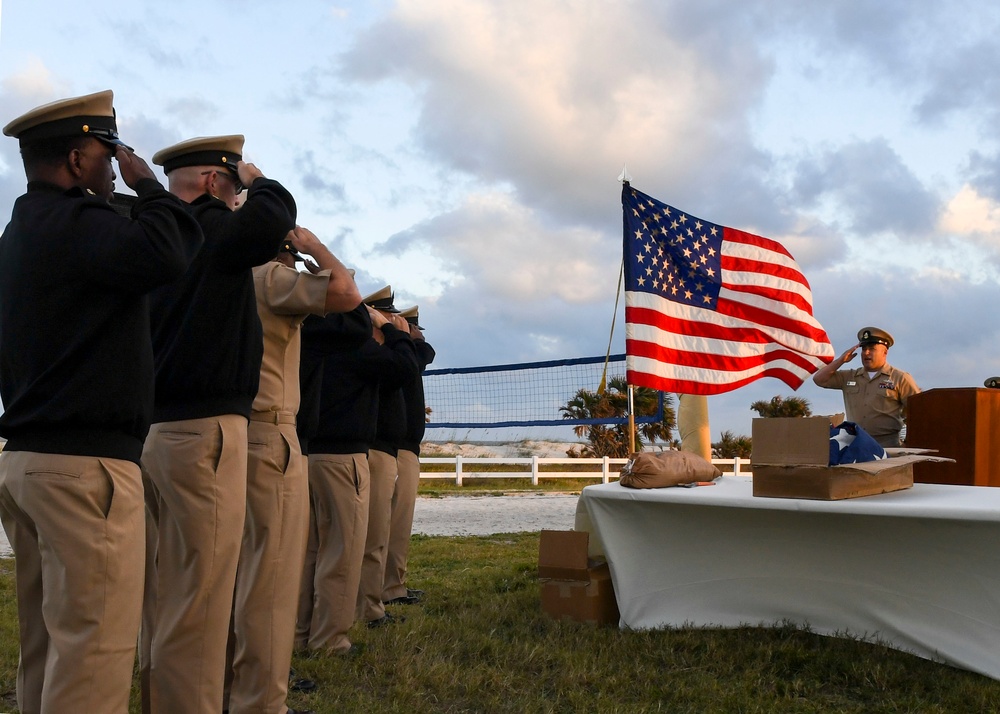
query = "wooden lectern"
x=961 y=423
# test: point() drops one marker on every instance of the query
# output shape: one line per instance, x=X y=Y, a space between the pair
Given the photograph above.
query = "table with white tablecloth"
x=917 y=569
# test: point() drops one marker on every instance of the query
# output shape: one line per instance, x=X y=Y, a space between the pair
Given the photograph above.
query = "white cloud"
x=554 y=100
x=506 y=251
x=973 y=215
x=32 y=83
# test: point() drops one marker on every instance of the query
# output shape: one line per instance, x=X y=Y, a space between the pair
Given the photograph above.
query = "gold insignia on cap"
x=86 y=128
x=874 y=336
x=224 y=159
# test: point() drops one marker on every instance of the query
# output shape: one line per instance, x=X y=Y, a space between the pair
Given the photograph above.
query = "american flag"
x=709 y=309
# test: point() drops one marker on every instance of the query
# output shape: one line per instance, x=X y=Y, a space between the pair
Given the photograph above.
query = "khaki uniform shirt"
x=878 y=404
x=285 y=297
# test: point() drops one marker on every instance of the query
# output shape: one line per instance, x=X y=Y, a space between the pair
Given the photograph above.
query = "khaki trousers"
x=338 y=495
x=196 y=499
x=404 y=499
x=383 y=477
x=267 y=582
x=76 y=528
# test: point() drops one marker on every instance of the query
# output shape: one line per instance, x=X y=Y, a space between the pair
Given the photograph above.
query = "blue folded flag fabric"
x=850 y=444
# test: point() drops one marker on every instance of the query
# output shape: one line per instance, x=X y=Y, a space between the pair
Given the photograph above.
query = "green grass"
x=480 y=643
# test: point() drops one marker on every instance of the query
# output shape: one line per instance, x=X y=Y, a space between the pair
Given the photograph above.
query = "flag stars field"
x=699 y=260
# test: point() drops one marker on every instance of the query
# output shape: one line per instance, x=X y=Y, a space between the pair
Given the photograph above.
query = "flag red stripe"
x=737 y=236
x=754 y=331
x=750 y=313
x=773 y=294
x=681 y=386
x=768 y=270
x=715 y=362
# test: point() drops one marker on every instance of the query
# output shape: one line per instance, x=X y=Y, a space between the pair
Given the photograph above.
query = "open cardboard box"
x=791 y=459
x=573 y=586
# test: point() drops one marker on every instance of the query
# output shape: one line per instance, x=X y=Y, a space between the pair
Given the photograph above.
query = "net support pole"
x=631 y=421
x=692 y=423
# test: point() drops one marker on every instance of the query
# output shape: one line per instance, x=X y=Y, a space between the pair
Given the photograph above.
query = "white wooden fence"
x=463 y=467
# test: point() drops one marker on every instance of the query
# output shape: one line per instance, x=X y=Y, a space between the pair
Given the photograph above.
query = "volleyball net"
x=519 y=395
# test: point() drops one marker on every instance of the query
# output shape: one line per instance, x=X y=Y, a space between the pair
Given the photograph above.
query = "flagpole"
x=625 y=180
x=631 y=421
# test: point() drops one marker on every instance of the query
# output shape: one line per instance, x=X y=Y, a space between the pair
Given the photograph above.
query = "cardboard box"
x=792 y=441
x=831 y=483
x=572 y=585
x=791 y=456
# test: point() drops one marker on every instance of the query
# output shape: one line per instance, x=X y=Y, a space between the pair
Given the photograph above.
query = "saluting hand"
x=378 y=319
x=131 y=167
x=248 y=173
x=399 y=322
x=849 y=353
x=304 y=240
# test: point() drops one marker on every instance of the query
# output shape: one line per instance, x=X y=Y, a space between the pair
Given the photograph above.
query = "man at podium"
x=875 y=393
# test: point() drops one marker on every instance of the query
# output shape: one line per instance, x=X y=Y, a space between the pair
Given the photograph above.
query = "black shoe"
x=386 y=619
x=404 y=600
x=300 y=711
x=412 y=597
x=299 y=684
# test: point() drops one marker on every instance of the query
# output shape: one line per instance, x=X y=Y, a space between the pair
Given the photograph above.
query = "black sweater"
x=413 y=398
x=207 y=337
x=404 y=369
x=332 y=334
x=349 y=395
x=76 y=363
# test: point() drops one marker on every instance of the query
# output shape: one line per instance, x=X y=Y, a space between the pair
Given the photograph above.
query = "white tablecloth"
x=917 y=569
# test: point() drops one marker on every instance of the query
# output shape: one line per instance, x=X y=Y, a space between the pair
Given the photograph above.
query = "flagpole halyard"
x=602 y=387
x=626 y=180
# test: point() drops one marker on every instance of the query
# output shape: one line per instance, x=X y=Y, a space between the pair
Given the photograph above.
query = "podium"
x=961 y=423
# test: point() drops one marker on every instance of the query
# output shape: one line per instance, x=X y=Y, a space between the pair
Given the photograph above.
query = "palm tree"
x=782 y=407
x=613 y=439
x=730 y=446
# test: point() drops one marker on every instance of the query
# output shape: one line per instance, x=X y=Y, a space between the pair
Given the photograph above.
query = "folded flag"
x=850 y=444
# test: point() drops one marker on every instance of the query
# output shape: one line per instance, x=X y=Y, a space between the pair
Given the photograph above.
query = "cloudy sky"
x=467 y=151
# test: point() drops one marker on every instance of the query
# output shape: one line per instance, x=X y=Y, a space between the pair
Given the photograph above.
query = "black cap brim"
x=114 y=142
x=287 y=247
